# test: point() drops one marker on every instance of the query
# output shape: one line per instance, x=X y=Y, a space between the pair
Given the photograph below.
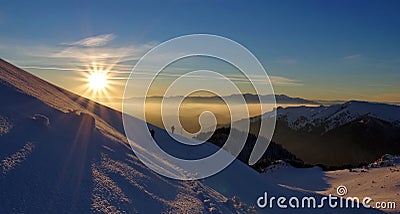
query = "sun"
x=98 y=81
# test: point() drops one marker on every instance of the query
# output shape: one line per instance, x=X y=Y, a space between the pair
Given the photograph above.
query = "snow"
x=9 y=163
x=381 y=184
x=333 y=116
x=67 y=154
x=380 y=180
x=5 y=125
x=306 y=179
x=385 y=161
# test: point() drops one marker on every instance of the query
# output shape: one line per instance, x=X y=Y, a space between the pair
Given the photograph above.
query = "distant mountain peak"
x=333 y=116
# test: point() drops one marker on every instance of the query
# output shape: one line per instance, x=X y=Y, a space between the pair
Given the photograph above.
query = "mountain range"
x=354 y=132
x=249 y=98
x=61 y=153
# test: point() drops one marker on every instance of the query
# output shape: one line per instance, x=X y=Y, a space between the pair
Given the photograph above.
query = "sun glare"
x=98 y=81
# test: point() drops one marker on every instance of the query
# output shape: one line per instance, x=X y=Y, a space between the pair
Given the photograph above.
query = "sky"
x=321 y=50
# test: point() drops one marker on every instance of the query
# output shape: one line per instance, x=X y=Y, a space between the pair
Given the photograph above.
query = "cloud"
x=275 y=80
x=283 y=81
x=118 y=69
x=350 y=57
x=95 y=41
x=119 y=60
x=57 y=55
x=380 y=85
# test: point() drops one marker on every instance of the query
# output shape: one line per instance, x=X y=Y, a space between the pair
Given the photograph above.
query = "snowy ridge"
x=385 y=161
x=330 y=117
x=277 y=165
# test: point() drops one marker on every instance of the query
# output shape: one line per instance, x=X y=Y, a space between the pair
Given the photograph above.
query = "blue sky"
x=313 y=49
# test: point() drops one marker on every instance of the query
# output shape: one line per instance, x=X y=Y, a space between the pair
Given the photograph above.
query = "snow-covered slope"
x=56 y=155
x=330 y=117
x=379 y=181
x=61 y=153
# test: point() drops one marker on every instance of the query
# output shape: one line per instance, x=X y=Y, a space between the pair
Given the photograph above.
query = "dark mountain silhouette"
x=273 y=153
x=351 y=133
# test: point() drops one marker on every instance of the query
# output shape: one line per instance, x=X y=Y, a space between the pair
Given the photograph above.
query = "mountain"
x=353 y=133
x=273 y=153
x=61 y=153
x=194 y=105
x=279 y=98
x=331 y=117
x=249 y=98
